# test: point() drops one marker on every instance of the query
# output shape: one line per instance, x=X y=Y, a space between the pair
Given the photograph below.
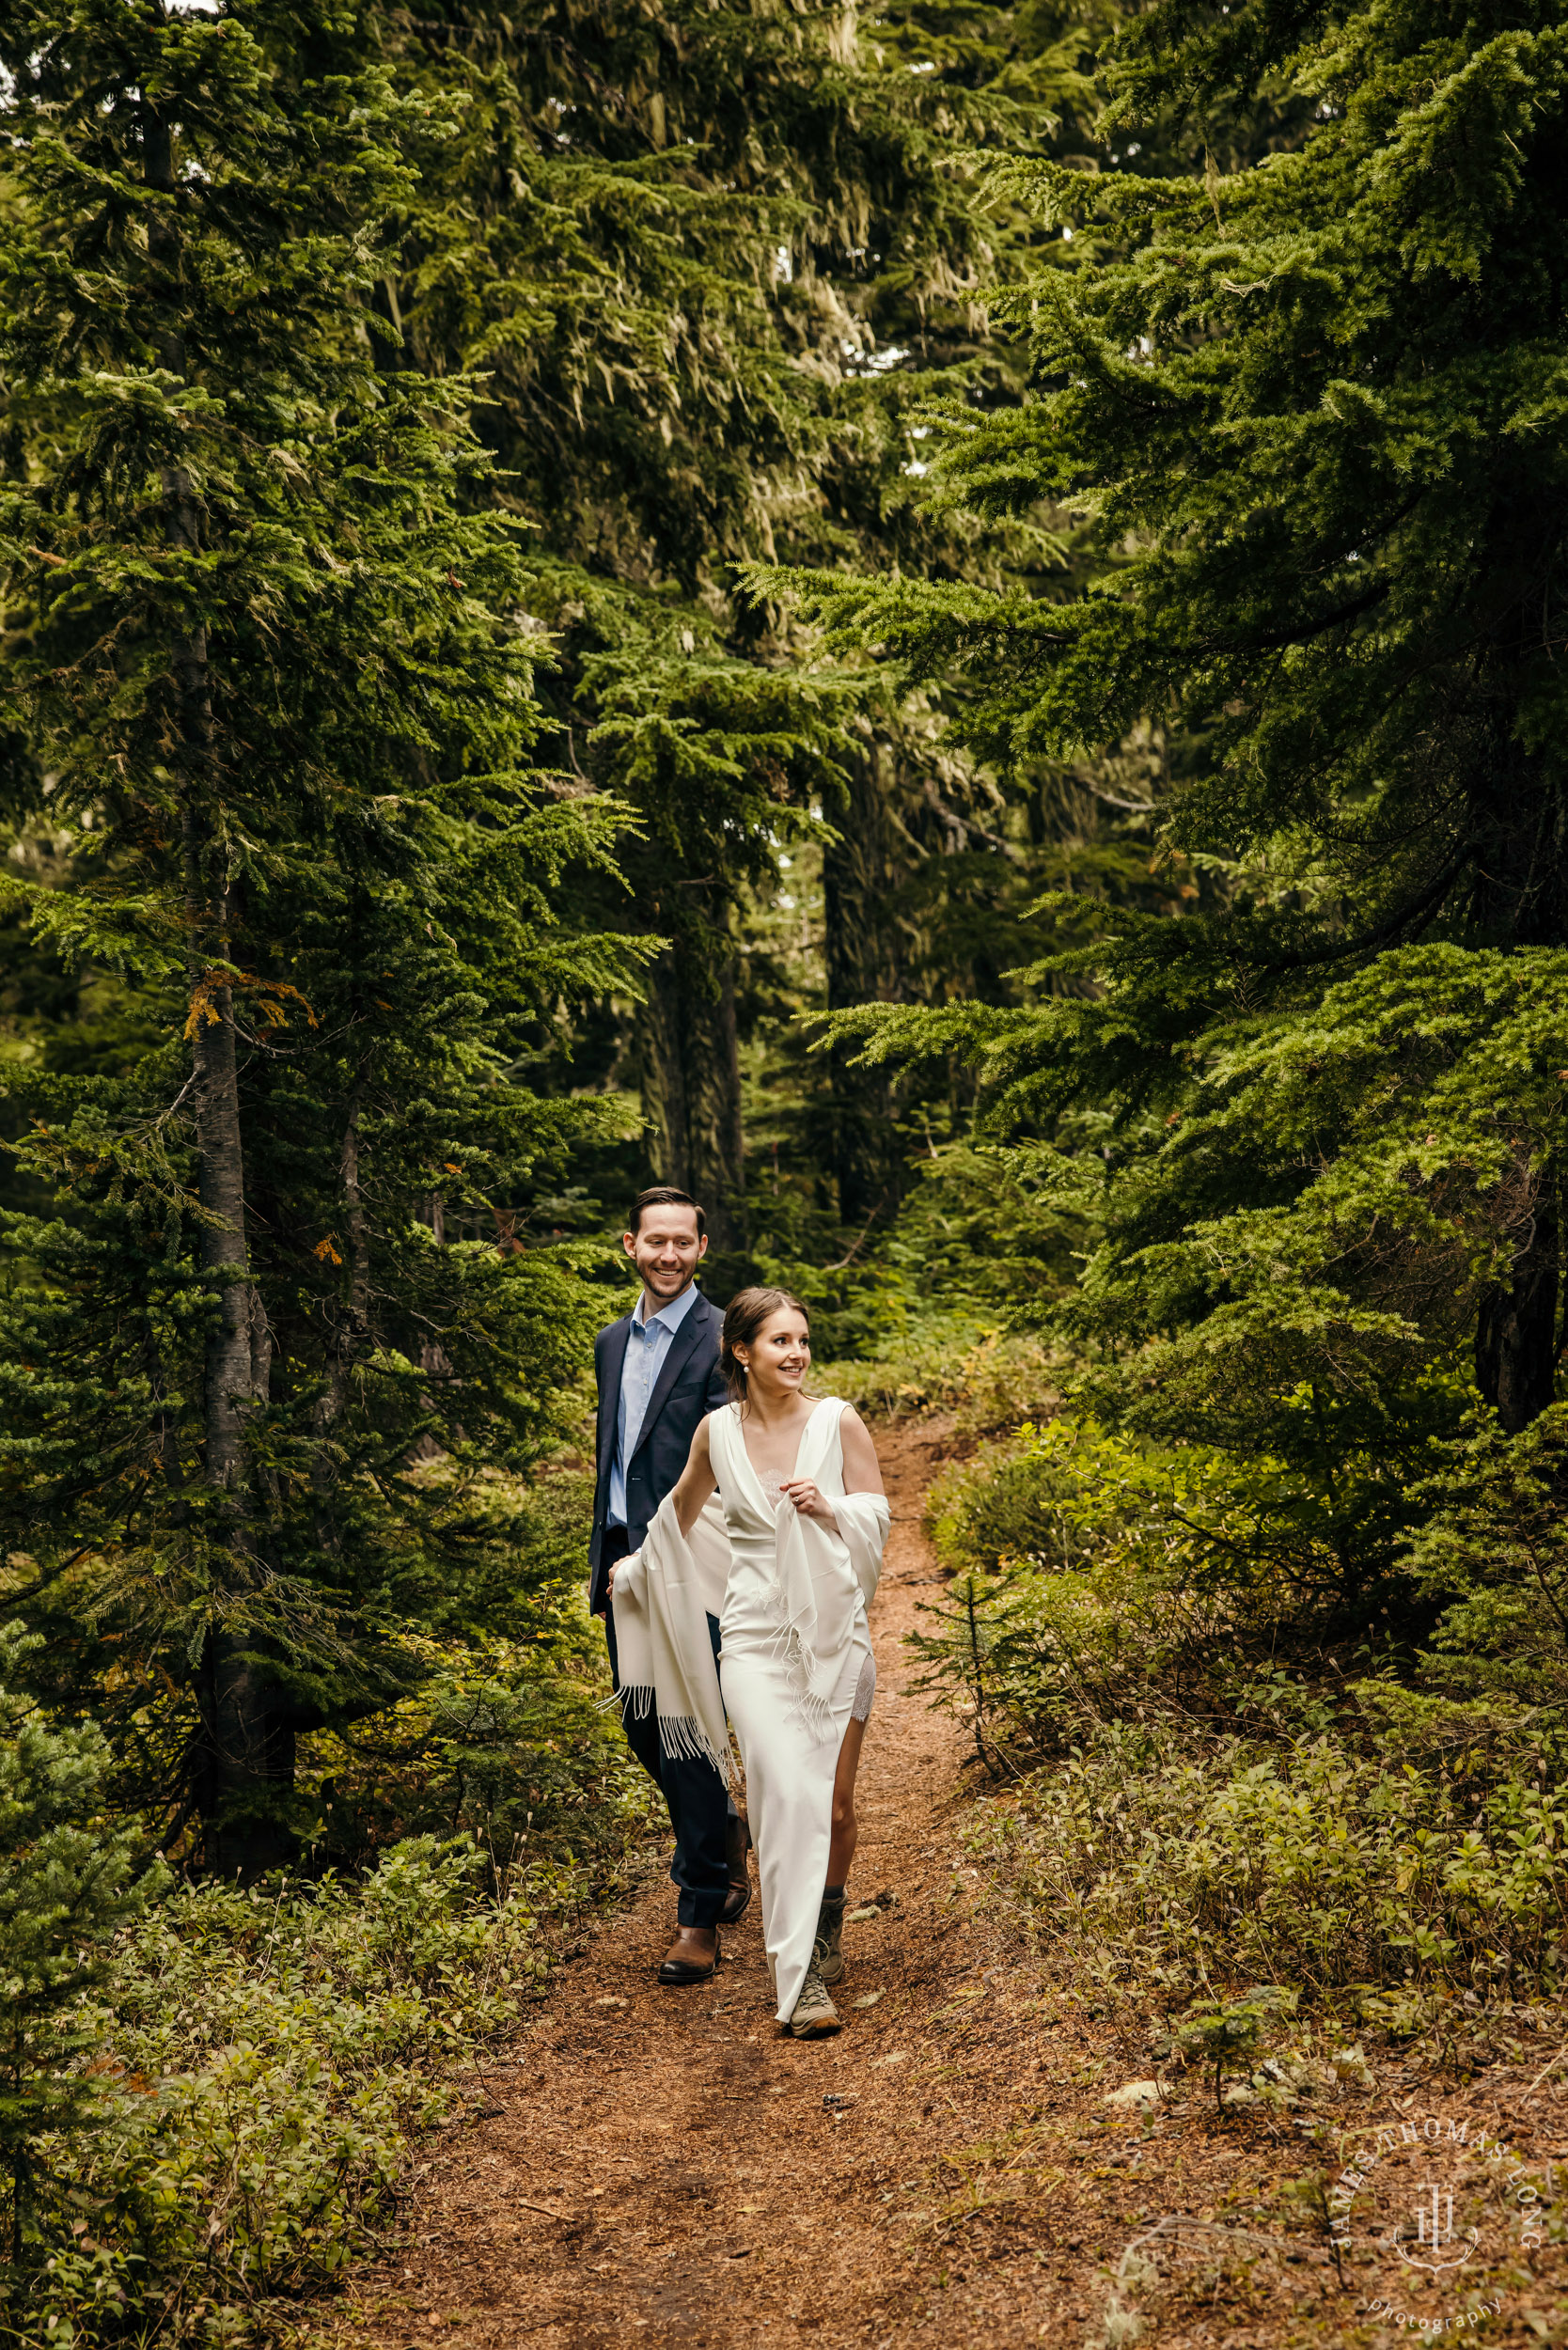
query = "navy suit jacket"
x=688 y=1388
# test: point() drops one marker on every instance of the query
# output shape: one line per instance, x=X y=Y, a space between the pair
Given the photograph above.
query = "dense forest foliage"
x=940 y=625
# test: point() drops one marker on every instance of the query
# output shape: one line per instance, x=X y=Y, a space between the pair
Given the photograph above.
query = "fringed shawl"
x=663 y=1595
x=664 y=1592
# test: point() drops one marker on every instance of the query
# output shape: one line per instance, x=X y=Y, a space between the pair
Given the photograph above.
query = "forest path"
x=715 y=2184
x=662 y=2167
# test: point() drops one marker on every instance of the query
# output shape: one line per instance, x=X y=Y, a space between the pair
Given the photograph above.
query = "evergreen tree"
x=66 y=1881
x=1307 y=404
x=279 y=680
x=711 y=257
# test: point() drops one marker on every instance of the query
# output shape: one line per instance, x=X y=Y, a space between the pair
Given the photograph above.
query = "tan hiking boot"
x=815 y=2016
x=828 y=1950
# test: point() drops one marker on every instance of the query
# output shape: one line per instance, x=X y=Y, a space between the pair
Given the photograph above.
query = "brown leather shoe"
x=737 y=1843
x=693 y=1956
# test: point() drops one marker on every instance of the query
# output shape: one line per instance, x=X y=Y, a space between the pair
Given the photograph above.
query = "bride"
x=804 y=1524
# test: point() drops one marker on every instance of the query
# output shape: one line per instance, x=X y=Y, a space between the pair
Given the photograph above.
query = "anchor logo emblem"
x=1435 y=2233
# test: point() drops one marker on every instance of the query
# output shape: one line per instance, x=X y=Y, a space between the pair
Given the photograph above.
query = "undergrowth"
x=1328 y=1861
x=1211 y=1771
x=507 y=1736
x=988 y=1378
x=208 y=2093
x=264 y=2059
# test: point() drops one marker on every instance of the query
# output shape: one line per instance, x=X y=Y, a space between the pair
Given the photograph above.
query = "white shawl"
x=663 y=1595
x=820 y=1577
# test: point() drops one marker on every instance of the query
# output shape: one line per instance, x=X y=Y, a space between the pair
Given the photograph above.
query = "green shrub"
x=1195 y=1814
x=506 y=1736
x=1494 y=1555
x=67 y=1881
x=265 y=2056
x=1410 y=1842
x=1055 y=1496
x=1224 y=2033
x=1095 y=1577
x=987 y=1378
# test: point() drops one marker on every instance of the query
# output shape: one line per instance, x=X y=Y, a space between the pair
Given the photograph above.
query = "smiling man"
x=658 y=1375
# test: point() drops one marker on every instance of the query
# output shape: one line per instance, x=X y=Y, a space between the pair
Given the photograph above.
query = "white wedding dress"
x=789 y=1752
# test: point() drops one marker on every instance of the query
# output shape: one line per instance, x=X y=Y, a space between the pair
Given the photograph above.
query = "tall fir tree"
x=1307 y=404
x=711 y=257
x=275 y=662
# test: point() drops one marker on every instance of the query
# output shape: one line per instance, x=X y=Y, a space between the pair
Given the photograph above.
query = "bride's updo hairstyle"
x=748 y=1310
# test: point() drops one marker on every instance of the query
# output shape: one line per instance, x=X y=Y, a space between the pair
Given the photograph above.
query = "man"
x=658 y=1375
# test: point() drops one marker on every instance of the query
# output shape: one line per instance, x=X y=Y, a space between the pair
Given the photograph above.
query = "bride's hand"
x=808 y=1501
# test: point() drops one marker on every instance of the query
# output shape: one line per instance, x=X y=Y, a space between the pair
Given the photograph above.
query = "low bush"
x=1092 y=1577
x=508 y=1741
x=212 y=2091
x=987 y=1378
x=68 y=1881
x=507 y=1735
x=1326 y=1860
x=1209 y=1788
x=263 y=2059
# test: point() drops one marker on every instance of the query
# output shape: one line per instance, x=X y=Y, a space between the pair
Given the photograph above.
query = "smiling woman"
x=806 y=1521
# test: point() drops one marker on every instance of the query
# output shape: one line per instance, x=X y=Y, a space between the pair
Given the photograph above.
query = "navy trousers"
x=699 y=1807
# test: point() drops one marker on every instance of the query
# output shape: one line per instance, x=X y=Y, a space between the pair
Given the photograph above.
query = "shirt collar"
x=672 y=1315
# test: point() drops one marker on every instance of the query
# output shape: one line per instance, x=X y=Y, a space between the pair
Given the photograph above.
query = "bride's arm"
x=862 y=1471
x=698 y=1482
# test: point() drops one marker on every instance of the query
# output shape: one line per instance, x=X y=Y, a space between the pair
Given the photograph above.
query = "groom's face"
x=667 y=1250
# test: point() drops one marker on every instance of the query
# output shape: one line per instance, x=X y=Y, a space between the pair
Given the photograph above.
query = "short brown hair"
x=664 y=1195
x=743 y=1317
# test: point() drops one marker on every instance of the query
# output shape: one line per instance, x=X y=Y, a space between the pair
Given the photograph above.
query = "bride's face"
x=779 y=1356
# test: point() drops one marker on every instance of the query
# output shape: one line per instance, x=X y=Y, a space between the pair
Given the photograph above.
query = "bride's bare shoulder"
x=859 y=1451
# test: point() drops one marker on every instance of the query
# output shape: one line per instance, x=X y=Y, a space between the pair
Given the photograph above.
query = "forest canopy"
x=940 y=626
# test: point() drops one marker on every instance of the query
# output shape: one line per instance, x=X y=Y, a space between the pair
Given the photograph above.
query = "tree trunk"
x=858 y=875
x=1516 y=1328
x=1515 y=819
x=348 y=1337
x=247 y=1771
x=247 y=1749
x=691 y=1080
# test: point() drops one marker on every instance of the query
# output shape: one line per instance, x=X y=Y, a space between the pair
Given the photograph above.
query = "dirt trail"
x=661 y=2166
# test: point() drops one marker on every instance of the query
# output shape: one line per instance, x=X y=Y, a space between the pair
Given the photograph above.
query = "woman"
x=806 y=1520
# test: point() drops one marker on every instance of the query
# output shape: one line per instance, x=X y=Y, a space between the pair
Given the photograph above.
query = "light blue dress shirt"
x=647 y=1343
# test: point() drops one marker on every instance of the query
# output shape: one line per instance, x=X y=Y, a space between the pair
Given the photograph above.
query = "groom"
x=658 y=1375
